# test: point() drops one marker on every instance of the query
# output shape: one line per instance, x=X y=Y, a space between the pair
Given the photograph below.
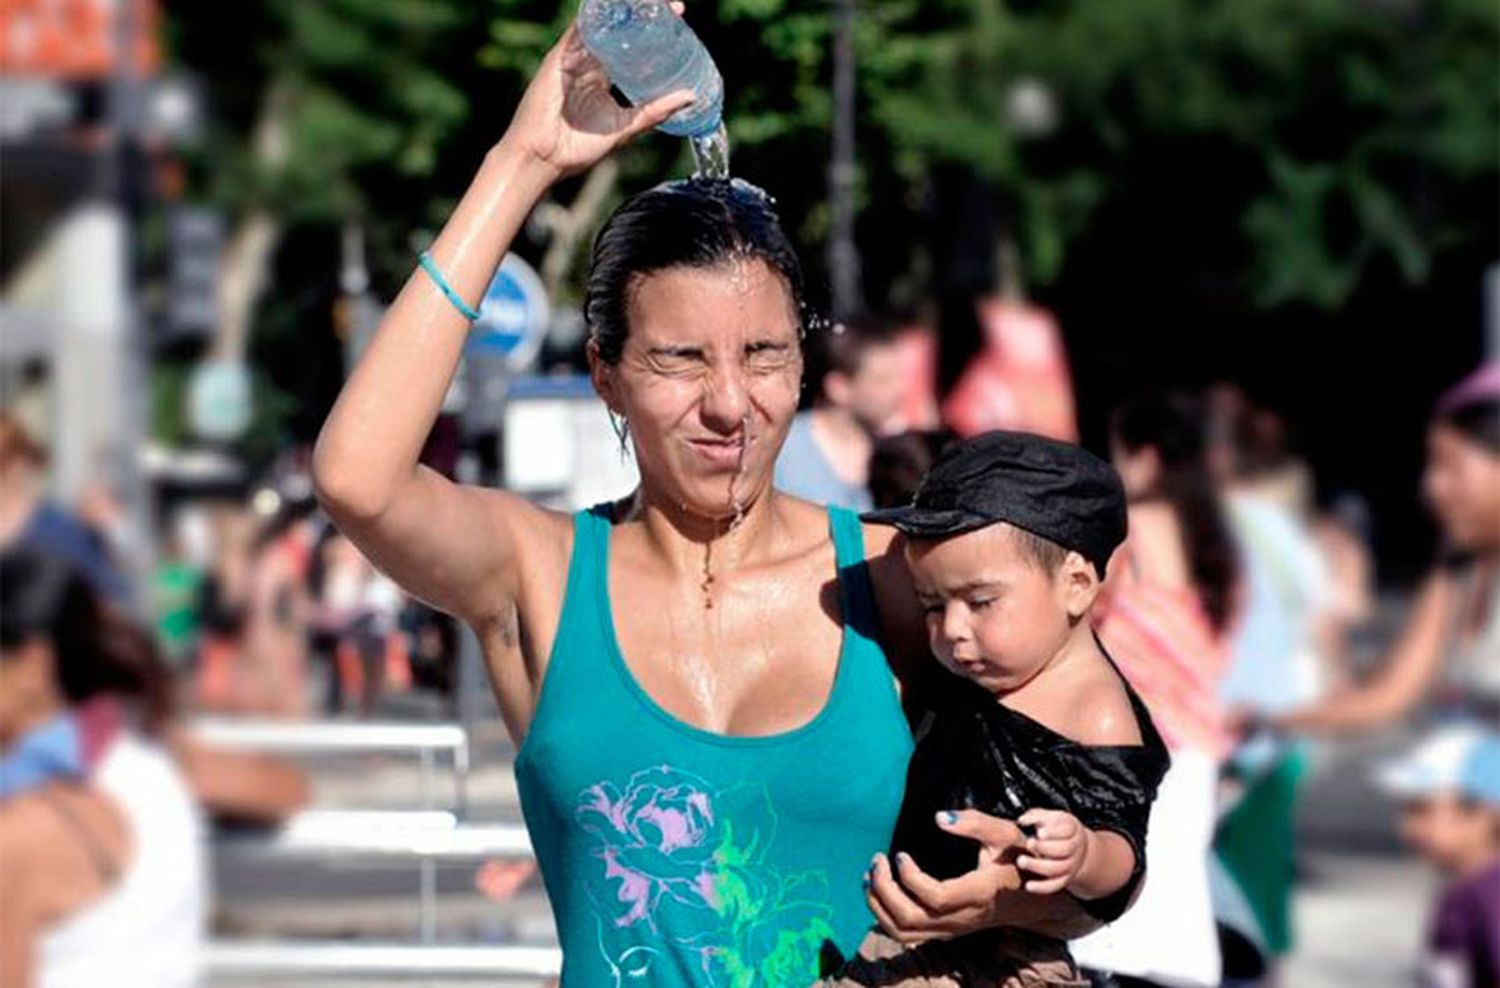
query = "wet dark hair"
x=698 y=223
x=1478 y=421
x=98 y=651
x=1174 y=425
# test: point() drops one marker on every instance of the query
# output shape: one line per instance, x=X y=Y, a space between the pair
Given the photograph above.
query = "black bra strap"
x=103 y=862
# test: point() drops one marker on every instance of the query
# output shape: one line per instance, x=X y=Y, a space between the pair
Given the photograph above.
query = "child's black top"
x=973 y=752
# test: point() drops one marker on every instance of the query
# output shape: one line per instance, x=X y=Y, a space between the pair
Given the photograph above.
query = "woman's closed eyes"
x=761 y=357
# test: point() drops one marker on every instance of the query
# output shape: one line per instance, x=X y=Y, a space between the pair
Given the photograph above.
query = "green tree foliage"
x=1343 y=131
x=359 y=94
x=1346 y=138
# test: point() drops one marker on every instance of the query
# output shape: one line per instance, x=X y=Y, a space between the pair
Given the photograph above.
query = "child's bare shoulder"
x=1101 y=712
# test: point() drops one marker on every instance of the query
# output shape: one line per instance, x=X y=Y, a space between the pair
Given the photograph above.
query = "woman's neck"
x=37 y=714
x=693 y=543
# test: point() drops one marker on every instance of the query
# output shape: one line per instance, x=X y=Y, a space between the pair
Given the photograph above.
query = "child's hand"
x=1057 y=852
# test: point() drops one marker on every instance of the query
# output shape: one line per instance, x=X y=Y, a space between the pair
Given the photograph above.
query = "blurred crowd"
x=1232 y=609
x=258 y=605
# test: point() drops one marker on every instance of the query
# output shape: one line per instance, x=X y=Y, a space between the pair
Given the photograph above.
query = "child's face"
x=1449 y=831
x=993 y=614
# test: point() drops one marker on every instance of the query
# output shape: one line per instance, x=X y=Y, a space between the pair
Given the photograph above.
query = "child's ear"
x=1080 y=584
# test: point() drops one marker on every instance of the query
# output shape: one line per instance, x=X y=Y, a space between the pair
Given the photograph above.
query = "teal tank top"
x=675 y=856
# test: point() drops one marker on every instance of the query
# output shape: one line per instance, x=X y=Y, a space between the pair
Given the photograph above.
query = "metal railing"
x=529 y=966
x=291 y=738
x=385 y=833
x=424 y=836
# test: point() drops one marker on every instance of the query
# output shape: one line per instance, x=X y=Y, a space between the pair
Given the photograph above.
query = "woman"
x=700 y=677
x=1164 y=620
x=101 y=870
x=1449 y=648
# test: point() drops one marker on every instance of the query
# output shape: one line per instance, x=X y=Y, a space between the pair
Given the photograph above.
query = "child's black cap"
x=1058 y=491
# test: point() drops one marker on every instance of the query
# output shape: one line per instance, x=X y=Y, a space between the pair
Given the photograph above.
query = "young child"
x=1008 y=540
x=1449 y=788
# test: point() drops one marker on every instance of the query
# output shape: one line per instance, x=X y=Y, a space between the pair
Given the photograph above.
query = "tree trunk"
x=247 y=256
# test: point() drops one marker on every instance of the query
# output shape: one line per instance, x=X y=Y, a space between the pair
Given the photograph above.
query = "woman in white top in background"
x=1448 y=651
x=102 y=877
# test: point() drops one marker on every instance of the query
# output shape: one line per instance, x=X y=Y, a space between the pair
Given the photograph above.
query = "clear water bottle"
x=648 y=51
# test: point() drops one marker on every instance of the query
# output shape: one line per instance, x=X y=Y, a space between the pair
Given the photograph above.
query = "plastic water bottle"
x=648 y=51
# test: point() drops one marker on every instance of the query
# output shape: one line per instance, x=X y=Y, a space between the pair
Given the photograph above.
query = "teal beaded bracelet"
x=428 y=265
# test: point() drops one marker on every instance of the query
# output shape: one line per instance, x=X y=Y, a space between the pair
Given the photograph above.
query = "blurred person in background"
x=1449 y=647
x=917 y=339
x=1448 y=788
x=357 y=609
x=272 y=665
x=899 y=463
x=1344 y=531
x=1277 y=648
x=1019 y=379
x=257 y=608
x=102 y=876
x=1164 y=618
x=223 y=602
x=861 y=382
x=434 y=638
x=177 y=585
x=28 y=516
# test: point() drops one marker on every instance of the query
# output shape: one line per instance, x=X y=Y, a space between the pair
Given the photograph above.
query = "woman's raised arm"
x=1404 y=678
x=451 y=545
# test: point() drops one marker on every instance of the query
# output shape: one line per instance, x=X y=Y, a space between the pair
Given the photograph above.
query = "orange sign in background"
x=76 y=40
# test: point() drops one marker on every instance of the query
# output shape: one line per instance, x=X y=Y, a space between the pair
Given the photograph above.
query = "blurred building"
x=65 y=261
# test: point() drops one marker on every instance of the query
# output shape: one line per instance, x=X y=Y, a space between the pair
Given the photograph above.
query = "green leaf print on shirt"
x=677 y=871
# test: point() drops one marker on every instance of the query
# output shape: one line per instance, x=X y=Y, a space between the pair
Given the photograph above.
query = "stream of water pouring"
x=711 y=154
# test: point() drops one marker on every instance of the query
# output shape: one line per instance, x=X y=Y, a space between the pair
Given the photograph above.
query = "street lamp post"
x=843 y=255
x=124 y=191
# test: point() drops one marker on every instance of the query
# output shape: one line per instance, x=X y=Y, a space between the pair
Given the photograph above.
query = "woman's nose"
x=726 y=399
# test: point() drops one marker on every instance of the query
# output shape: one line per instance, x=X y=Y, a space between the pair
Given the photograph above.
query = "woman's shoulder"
x=880 y=540
x=901 y=616
x=36 y=815
x=542 y=536
x=41 y=854
x=26 y=825
x=523 y=516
